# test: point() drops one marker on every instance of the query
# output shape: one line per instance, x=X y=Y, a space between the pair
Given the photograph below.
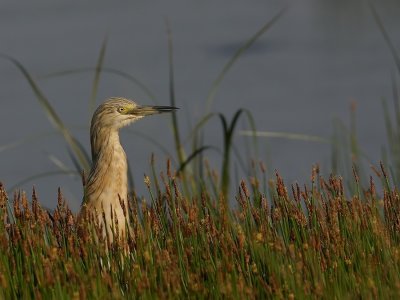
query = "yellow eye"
x=121 y=109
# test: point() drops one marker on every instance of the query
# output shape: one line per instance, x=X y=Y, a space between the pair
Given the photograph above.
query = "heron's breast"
x=118 y=174
x=109 y=178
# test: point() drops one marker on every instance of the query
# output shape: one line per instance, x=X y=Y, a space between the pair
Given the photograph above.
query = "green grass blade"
x=131 y=182
x=396 y=99
x=228 y=134
x=392 y=133
x=396 y=146
x=112 y=71
x=96 y=80
x=175 y=127
x=286 y=135
x=240 y=159
x=75 y=162
x=27 y=139
x=42 y=175
x=385 y=35
x=237 y=55
x=198 y=126
x=194 y=155
x=388 y=124
x=51 y=114
x=58 y=163
x=253 y=128
x=197 y=142
x=335 y=148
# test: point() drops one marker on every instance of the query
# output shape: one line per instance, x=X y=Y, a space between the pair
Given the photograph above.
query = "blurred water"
x=304 y=72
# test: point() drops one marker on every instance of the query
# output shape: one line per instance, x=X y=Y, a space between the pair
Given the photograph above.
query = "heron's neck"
x=105 y=142
x=108 y=176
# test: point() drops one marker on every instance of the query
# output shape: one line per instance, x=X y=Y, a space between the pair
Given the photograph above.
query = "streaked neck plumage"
x=108 y=180
x=109 y=164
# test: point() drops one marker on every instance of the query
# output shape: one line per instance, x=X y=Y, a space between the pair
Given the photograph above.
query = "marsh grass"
x=297 y=242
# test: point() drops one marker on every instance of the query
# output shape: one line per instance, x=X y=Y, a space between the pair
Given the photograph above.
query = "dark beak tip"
x=148 y=110
x=166 y=108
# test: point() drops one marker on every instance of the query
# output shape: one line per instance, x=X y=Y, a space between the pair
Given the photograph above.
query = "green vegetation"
x=315 y=243
x=194 y=238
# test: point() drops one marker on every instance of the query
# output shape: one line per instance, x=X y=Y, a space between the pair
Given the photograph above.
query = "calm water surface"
x=300 y=76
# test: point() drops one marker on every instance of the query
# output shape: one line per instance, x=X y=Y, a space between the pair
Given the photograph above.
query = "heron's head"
x=116 y=113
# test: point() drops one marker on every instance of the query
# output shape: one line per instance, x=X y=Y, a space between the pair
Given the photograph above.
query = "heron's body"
x=107 y=185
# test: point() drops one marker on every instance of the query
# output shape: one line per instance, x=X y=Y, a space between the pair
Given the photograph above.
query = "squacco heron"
x=107 y=185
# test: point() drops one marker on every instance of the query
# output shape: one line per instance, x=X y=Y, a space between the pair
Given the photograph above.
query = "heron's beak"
x=151 y=110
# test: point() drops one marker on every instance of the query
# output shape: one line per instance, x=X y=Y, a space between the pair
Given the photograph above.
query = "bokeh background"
x=302 y=74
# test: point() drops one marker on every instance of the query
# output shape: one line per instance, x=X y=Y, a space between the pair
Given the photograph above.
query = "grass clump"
x=315 y=242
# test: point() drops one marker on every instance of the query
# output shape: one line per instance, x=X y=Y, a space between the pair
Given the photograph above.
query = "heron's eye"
x=121 y=109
